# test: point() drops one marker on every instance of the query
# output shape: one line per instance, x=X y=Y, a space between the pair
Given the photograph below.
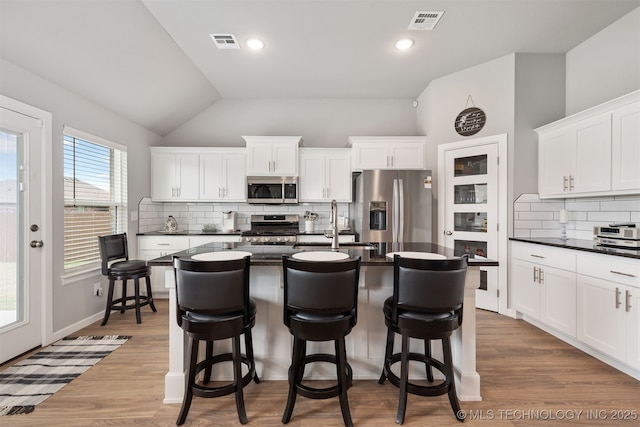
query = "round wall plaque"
x=470 y=121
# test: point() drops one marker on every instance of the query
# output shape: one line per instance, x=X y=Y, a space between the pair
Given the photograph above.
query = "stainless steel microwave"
x=272 y=189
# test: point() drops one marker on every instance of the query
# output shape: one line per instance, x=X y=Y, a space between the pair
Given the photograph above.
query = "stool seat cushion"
x=312 y=317
x=128 y=267
x=426 y=317
x=199 y=317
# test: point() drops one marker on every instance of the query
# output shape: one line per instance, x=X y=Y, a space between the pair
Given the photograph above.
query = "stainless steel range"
x=272 y=230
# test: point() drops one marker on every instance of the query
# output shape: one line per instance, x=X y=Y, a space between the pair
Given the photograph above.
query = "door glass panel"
x=470 y=194
x=473 y=165
x=470 y=221
x=470 y=247
x=9 y=227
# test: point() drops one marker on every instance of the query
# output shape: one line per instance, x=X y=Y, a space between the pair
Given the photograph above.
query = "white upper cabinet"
x=174 y=175
x=595 y=152
x=272 y=155
x=325 y=174
x=388 y=152
x=222 y=175
x=192 y=174
x=625 y=146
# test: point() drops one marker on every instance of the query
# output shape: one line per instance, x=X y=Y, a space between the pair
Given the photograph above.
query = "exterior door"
x=471 y=211
x=21 y=245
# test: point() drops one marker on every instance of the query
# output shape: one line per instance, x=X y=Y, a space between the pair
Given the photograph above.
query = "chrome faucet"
x=334 y=224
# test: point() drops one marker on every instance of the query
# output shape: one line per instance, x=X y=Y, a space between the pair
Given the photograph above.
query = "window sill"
x=79 y=274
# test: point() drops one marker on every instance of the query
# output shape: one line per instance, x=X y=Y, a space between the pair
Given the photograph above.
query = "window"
x=95 y=195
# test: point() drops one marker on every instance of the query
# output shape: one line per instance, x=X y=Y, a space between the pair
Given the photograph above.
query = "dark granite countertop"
x=272 y=254
x=580 y=245
x=190 y=233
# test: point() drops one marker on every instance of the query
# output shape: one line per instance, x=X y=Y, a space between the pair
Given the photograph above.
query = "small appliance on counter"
x=229 y=221
x=170 y=225
x=617 y=235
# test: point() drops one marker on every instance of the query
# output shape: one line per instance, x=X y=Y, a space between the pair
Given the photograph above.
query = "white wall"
x=74 y=302
x=605 y=66
x=321 y=122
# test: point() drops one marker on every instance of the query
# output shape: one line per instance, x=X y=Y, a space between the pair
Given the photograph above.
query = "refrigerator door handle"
x=394 y=216
x=400 y=210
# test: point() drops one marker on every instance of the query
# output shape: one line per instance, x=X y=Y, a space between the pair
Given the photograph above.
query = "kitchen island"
x=365 y=344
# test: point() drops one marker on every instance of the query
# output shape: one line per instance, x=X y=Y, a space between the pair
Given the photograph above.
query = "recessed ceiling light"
x=404 y=44
x=255 y=44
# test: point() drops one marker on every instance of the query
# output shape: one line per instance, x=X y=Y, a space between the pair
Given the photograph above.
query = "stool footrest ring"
x=421 y=390
x=205 y=391
x=326 y=392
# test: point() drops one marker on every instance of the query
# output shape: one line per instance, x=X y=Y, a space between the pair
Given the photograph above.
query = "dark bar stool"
x=115 y=248
x=320 y=304
x=213 y=304
x=426 y=304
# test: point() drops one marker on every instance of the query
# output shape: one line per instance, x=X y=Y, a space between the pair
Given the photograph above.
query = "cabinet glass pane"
x=474 y=165
x=470 y=247
x=470 y=194
x=470 y=221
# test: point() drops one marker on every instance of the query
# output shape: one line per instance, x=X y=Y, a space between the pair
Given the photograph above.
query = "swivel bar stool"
x=320 y=304
x=426 y=304
x=116 y=265
x=213 y=304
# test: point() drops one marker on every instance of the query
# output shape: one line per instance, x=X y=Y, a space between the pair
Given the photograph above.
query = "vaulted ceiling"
x=154 y=62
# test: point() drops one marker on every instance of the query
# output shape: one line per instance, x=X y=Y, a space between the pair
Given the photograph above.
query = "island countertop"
x=272 y=254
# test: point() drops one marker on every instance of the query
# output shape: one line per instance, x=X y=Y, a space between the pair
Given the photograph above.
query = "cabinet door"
x=601 y=316
x=625 y=148
x=188 y=176
x=593 y=155
x=632 y=309
x=527 y=288
x=259 y=159
x=163 y=176
x=312 y=177
x=235 y=178
x=338 y=177
x=211 y=176
x=370 y=156
x=558 y=308
x=556 y=157
x=285 y=158
x=406 y=156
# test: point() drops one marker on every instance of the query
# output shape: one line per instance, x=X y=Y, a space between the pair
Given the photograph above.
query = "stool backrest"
x=112 y=247
x=318 y=287
x=428 y=286
x=212 y=287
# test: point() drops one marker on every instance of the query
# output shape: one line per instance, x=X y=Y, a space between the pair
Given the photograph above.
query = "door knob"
x=36 y=243
x=448 y=232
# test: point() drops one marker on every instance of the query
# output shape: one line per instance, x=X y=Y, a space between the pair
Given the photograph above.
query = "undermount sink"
x=350 y=245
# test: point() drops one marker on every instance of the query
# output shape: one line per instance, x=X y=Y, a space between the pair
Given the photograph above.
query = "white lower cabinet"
x=592 y=302
x=608 y=297
x=543 y=291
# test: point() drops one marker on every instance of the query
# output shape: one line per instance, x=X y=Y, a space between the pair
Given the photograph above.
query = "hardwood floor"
x=528 y=378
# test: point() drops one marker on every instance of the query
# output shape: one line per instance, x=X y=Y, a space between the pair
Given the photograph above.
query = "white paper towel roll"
x=564 y=216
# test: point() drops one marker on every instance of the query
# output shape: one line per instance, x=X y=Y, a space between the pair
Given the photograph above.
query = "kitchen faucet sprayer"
x=334 y=224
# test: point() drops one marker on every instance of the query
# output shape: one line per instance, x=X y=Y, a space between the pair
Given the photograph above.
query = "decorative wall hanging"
x=471 y=120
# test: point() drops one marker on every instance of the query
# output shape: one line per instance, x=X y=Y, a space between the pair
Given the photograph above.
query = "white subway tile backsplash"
x=584 y=214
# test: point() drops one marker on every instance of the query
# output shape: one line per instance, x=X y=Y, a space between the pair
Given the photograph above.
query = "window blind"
x=95 y=195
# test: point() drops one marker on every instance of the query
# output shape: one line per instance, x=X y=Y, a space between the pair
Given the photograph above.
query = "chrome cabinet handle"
x=621 y=273
x=618 y=298
x=627 y=302
x=571 y=180
x=541 y=278
x=565 y=183
x=537 y=256
x=535 y=274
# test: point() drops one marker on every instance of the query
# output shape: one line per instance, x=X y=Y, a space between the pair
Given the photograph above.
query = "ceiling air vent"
x=225 y=41
x=425 y=20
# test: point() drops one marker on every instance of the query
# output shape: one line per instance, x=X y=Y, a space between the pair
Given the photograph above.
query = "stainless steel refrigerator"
x=392 y=206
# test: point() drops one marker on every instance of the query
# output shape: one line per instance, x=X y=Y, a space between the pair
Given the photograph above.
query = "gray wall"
x=321 y=122
x=74 y=302
x=605 y=66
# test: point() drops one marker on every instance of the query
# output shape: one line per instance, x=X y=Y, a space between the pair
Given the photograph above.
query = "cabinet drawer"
x=564 y=259
x=610 y=268
x=163 y=242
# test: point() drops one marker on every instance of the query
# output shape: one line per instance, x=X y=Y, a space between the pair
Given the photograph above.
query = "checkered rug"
x=31 y=381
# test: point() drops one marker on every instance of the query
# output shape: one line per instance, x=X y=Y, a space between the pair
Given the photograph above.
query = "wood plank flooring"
x=528 y=378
